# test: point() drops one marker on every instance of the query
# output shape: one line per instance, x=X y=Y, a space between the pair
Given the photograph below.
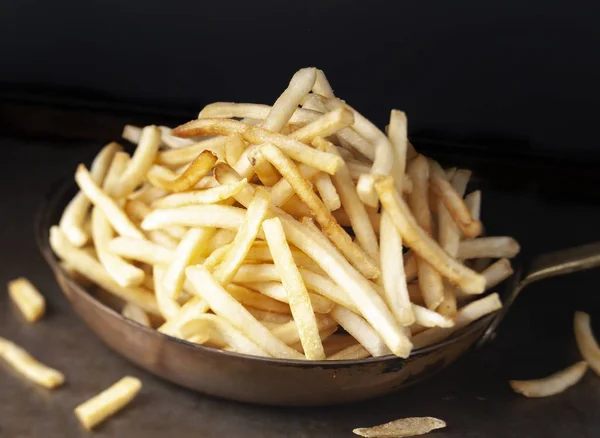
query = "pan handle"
x=552 y=264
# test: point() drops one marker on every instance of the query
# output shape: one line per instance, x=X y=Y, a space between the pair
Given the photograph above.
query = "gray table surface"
x=472 y=395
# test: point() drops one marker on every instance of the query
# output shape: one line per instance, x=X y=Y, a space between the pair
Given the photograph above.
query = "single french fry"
x=299 y=299
x=588 y=346
x=257 y=300
x=353 y=352
x=108 y=402
x=322 y=86
x=285 y=106
x=553 y=384
x=73 y=217
x=141 y=250
x=208 y=196
x=448 y=305
x=223 y=304
x=453 y=202
x=115 y=171
x=497 y=273
x=90 y=268
x=392 y=273
x=192 y=175
x=135 y=313
x=29 y=367
x=328 y=124
x=183 y=156
x=473 y=203
x=327 y=190
x=169 y=140
x=255 y=135
x=360 y=330
x=27 y=298
x=229 y=110
x=210 y=216
x=140 y=162
x=423 y=245
x=124 y=273
x=188 y=249
x=168 y=306
x=276 y=291
x=404 y=427
x=466 y=315
x=397 y=133
x=248 y=230
x=334 y=231
x=430 y=318
x=234 y=148
x=216 y=257
x=265 y=171
x=132 y=133
x=494 y=247
x=115 y=215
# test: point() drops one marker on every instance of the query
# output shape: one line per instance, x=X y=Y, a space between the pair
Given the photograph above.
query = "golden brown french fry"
x=423 y=245
x=588 y=346
x=136 y=313
x=29 y=367
x=397 y=133
x=255 y=135
x=257 y=300
x=299 y=299
x=183 y=156
x=90 y=268
x=275 y=290
x=188 y=249
x=73 y=217
x=404 y=427
x=265 y=171
x=223 y=304
x=247 y=232
x=327 y=190
x=466 y=315
x=323 y=216
x=473 y=203
x=140 y=162
x=553 y=384
x=482 y=247
x=353 y=352
x=108 y=402
x=170 y=141
x=192 y=175
x=285 y=106
x=497 y=273
x=453 y=202
x=357 y=214
x=392 y=273
x=430 y=318
x=328 y=124
x=229 y=110
x=234 y=148
x=115 y=215
x=124 y=273
x=27 y=298
x=448 y=306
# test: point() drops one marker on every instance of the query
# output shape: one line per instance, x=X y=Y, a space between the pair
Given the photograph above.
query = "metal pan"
x=277 y=381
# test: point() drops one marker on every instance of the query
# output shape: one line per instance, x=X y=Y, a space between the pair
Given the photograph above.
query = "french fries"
x=27 y=298
x=588 y=346
x=257 y=229
x=108 y=402
x=404 y=427
x=553 y=384
x=30 y=368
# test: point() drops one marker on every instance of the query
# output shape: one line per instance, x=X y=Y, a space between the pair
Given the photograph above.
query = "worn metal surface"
x=472 y=396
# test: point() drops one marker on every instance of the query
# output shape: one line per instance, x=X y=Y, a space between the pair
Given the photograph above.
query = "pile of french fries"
x=298 y=231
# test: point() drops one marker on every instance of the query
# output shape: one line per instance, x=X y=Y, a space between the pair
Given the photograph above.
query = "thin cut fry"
x=188 y=249
x=353 y=352
x=124 y=273
x=275 y=290
x=257 y=300
x=141 y=251
x=404 y=427
x=108 y=402
x=229 y=110
x=207 y=196
x=325 y=126
x=115 y=215
x=234 y=148
x=497 y=273
x=140 y=162
x=285 y=106
x=135 y=313
x=473 y=203
x=255 y=135
x=265 y=171
x=197 y=170
x=429 y=318
x=397 y=133
x=215 y=216
x=132 y=133
x=448 y=306
x=168 y=306
x=323 y=216
x=494 y=247
x=183 y=156
x=360 y=330
x=26 y=365
x=116 y=169
x=73 y=217
x=226 y=306
x=415 y=237
x=322 y=86
x=553 y=384
x=27 y=298
x=392 y=273
x=588 y=346
x=294 y=285
x=90 y=268
x=248 y=230
x=327 y=190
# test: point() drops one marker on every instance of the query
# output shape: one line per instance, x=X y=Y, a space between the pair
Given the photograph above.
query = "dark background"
x=512 y=75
